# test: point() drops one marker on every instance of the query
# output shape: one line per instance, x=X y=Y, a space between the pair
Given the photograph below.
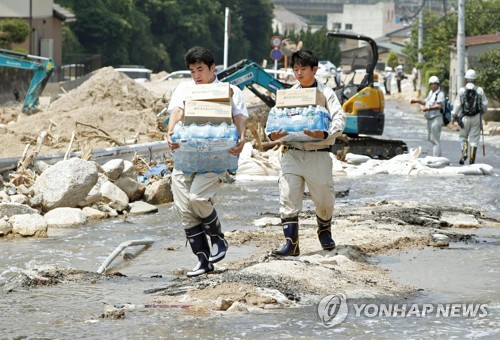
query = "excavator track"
x=368 y=146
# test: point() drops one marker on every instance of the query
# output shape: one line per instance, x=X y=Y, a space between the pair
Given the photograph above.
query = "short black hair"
x=304 y=58
x=198 y=54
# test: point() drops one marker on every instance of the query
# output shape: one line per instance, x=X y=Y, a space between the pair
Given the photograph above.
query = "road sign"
x=276 y=54
x=276 y=41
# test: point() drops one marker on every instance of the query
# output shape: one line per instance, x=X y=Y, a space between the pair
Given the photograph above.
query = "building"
x=45 y=19
x=374 y=21
x=474 y=47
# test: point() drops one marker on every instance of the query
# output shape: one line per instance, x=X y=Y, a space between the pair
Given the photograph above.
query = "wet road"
x=74 y=309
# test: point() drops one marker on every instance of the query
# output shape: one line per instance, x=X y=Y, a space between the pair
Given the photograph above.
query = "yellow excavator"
x=363 y=102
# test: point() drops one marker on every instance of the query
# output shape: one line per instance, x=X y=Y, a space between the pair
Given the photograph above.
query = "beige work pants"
x=194 y=195
x=313 y=168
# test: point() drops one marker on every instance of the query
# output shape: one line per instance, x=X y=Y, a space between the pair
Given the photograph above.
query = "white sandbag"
x=352 y=158
x=434 y=162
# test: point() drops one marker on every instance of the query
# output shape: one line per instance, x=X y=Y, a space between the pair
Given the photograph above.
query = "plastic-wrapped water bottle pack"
x=204 y=148
x=298 y=118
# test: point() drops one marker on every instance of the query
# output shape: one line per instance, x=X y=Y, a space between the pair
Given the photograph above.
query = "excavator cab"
x=362 y=100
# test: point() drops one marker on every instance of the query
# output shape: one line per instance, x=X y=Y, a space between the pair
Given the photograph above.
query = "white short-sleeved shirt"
x=433 y=98
x=183 y=90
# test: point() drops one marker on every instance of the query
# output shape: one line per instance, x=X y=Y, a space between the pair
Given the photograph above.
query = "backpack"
x=446 y=109
x=471 y=102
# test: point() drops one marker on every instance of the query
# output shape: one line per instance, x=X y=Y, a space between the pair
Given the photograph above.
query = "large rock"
x=141 y=207
x=65 y=217
x=159 y=192
x=29 y=225
x=113 y=168
x=94 y=194
x=5 y=228
x=66 y=183
x=11 y=209
x=114 y=196
x=131 y=187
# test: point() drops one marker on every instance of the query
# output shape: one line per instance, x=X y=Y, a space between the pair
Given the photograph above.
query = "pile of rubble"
x=74 y=191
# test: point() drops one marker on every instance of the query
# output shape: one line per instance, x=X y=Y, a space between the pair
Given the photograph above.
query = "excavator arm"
x=42 y=67
x=247 y=73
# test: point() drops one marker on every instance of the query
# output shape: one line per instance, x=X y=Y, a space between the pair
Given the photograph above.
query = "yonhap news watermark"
x=334 y=309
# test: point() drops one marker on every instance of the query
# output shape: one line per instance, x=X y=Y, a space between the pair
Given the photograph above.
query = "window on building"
x=348 y=27
x=337 y=26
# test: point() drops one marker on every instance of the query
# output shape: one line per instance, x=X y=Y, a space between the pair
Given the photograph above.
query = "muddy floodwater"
x=467 y=272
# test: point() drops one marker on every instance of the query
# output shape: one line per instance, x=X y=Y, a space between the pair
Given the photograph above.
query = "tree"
x=481 y=17
x=392 y=59
x=157 y=33
x=489 y=73
x=13 y=31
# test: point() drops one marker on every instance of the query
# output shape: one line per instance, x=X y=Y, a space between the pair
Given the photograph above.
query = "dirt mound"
x=106 y=110
x=106 y=88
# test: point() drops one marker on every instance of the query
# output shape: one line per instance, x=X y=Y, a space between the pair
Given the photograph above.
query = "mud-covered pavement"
x=144 y=294
x=260 y=281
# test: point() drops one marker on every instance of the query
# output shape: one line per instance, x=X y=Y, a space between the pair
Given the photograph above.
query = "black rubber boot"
x=473 y=151
x=199 y=245
x=465 y=151
x=219 y=244
x=325 y=234
x=291 y=232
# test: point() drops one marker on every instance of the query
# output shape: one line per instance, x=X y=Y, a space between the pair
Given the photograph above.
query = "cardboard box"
x=219 y=92
x=300 y=97
x=201 y=112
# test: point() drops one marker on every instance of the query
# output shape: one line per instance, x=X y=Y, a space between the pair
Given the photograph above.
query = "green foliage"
x=481 y=17
x=13 y=31
x=157 y=33
x=392 y=59
x=489 y=73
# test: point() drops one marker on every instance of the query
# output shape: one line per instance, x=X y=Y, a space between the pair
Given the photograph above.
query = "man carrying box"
x=194 y=193
x=308 y=163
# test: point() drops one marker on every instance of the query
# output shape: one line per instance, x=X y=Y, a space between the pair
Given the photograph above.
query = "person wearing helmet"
x=468 y=108
x=388 y=80
x=432 y=108
x=399 y=76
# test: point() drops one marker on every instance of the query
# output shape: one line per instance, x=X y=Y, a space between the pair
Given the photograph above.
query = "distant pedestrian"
x=338 y=77
x=470 y=104
x=433 y=104
x=399 y=76
x=414 y=78
x=388 y=80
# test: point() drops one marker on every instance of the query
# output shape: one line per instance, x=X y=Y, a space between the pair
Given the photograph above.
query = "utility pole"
x=226 y=35
x=460 y=45
x=420 y=45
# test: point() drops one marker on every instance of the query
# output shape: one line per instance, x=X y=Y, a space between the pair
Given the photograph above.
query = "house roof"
x=391 y=46
x=287 y=17
x=480 y=39
x=402 y=32
x=63 y=14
